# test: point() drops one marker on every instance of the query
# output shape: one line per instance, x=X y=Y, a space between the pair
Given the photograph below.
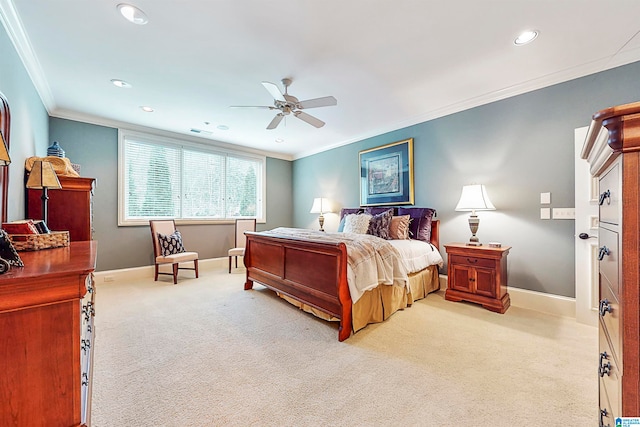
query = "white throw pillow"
x=354 y=223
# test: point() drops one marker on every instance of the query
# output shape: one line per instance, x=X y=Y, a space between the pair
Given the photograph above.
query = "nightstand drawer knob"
x=472 y=260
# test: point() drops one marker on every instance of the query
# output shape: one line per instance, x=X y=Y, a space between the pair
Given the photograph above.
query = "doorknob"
x=585 y=236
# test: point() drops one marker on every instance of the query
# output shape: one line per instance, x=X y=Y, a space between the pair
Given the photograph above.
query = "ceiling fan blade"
x=274 y=90
x=326 y=101
x=309 y=119
x=276 y=121
x=253 y=106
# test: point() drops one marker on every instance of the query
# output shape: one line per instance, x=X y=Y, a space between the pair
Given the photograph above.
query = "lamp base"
x=474 y=244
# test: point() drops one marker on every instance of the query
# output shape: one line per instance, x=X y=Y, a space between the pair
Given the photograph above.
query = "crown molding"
x=15 y=30
x=602 y=64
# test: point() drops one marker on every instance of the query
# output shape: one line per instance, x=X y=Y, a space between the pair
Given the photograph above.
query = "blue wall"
x=29 y=123
x=518 y=147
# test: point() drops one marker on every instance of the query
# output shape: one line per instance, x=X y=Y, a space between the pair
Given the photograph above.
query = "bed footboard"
x=314 y=273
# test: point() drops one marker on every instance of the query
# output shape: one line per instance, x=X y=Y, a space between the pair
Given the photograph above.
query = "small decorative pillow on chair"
x=171 y=244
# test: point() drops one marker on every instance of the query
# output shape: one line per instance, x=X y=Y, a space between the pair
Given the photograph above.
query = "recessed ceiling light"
x=223 y=127
x=147 y=109
x=133 y=14
x=526 y=37
x=279 y=140
x=121 y=83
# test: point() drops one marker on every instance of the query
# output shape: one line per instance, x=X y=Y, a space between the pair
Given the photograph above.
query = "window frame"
x=182 y=144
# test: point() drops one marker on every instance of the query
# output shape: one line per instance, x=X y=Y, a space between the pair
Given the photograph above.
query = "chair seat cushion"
x=236 y=252
x=181 y=257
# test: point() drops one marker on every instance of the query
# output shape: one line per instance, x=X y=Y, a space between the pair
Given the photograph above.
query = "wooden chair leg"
x=195 y=264
x=156 y=279
x=229 y=264
x=175 y=274
x=236 y=262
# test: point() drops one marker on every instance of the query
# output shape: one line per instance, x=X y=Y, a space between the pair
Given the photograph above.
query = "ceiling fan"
x=289 y=104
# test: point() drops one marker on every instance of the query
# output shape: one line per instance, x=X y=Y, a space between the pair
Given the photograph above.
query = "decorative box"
x=36 y=242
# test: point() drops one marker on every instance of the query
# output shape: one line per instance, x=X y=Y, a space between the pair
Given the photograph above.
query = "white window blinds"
x=161 y=179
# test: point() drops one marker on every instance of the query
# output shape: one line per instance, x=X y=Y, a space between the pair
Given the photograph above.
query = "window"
x=164 y=178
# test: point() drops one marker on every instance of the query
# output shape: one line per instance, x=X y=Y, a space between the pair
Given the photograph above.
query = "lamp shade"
x=320 y=205
x=4 y=152
x=474 y=197
x=42 y=176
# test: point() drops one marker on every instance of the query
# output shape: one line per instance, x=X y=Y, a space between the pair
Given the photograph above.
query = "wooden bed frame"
x=314 y=273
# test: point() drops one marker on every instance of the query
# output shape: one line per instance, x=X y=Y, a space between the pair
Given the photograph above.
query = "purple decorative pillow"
x=379 y=224
x=346 y=211
x=420 y=226
x=375 y=210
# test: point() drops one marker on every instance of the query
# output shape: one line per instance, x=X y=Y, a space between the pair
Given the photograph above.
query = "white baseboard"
x=531 y=300
x=146 y=272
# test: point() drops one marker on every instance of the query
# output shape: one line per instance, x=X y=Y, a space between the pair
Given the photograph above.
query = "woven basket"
x=35 y=242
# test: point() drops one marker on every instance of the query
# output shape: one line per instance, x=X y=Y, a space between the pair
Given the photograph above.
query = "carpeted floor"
x=207 y=353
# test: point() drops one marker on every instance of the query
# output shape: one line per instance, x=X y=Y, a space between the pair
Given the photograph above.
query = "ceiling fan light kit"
x=289 y=104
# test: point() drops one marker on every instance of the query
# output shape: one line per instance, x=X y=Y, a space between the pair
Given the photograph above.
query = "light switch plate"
x=545 y=213
x=564 y=213
x=545 y=198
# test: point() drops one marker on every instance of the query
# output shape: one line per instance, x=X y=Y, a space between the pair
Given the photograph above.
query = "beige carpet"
x=207 y=353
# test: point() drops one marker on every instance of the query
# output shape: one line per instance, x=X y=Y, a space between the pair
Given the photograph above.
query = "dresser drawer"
x=610 y=195
x=472 y=261
x=609 y=374
x=610 y=317
x=610 y=262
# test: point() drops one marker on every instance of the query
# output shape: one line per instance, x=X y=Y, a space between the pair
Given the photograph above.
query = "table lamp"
x=43 y=177
x=321 y=206
x=4 y=161
x=474 y=198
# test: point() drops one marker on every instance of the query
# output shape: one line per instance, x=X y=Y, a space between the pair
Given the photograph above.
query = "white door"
x=586 y=237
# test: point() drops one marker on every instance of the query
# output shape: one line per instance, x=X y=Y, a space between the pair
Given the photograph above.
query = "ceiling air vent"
x=200 y=131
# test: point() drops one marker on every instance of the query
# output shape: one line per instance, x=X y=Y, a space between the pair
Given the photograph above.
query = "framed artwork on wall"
x=386 y=174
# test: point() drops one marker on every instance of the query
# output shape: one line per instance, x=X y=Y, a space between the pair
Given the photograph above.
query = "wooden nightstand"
x=478 y=274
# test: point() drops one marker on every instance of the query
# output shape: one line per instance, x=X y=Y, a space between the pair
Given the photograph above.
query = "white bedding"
x=373 y=261
x=417 y=254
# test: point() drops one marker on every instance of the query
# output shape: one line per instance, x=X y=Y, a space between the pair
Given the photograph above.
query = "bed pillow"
x=420 y=226
x=399 y=227
x=375 y=210
x=354 y=223
x=171 y=244
x=379 y=224
x=343 y=213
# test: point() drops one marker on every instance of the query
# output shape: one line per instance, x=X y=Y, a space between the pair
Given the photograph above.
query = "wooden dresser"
x=46 y=337
x=612 y=149
x=70 y=207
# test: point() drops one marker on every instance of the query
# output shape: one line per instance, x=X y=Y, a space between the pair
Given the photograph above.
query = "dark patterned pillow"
x=8 y=251
x=379 y=224
x=171 y=244
x=420 y=226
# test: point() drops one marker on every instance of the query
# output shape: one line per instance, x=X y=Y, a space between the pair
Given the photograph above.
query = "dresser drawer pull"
x=603 y=251
x=472 y=260
x=605 y=307
x=85 y=345
x=603 y=413
x=605 y=196
x=604 y=369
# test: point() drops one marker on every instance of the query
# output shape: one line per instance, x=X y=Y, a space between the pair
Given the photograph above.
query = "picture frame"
x=386 y=174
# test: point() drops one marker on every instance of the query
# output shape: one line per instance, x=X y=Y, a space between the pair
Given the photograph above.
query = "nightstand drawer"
x=472 y=261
